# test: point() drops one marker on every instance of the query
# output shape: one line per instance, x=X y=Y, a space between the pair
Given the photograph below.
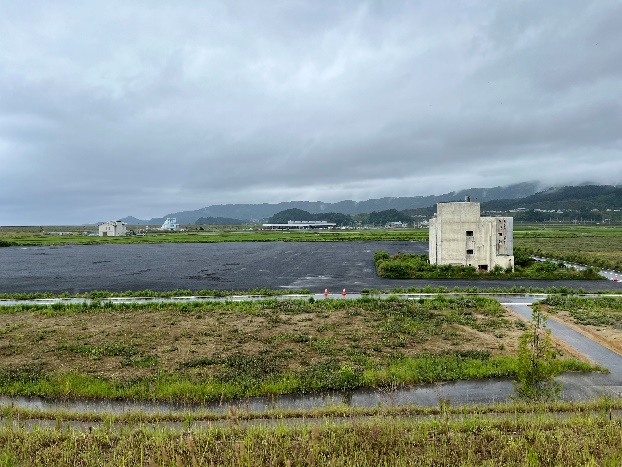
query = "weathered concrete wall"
x=112 y=229
x=459 y=236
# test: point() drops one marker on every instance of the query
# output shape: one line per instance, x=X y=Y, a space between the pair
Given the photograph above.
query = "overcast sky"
x=116 y=108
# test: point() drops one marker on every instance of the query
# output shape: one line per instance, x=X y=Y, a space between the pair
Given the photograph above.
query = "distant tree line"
x=296 y=214
x=375 y=218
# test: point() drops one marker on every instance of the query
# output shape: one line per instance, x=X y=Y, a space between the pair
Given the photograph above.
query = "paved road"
x=580 y=386
x=224 y=266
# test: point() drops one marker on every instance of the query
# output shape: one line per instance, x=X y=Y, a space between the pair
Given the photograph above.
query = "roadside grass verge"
x=600 y=317
x=206 y=351
x=215 y=293
x=596 y=311
x=327 y=375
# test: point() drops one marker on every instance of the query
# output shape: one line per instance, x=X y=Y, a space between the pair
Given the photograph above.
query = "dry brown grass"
x=199 y=341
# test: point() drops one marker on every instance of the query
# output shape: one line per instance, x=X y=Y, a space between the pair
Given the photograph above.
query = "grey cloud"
x=175 y=106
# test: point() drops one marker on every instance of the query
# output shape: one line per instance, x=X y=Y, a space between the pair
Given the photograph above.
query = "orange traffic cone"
x=344 y=292
x=326 y=293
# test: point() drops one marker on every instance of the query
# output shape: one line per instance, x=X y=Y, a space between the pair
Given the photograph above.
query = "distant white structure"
x=394 y=225
x=170 y=224
x=112 y=229
x=459 y=236
x=300 y=225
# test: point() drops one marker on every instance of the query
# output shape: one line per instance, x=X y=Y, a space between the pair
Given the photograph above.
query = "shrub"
x=536 y=362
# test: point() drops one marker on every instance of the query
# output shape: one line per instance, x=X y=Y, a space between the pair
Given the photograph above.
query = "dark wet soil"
x=223 y=266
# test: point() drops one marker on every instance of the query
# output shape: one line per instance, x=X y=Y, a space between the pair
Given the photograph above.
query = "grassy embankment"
x=531 y=439
x=210 y=351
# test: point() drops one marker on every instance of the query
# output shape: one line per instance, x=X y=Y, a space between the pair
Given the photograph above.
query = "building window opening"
x=469 y=252
x=482 y=267
x=469 y=233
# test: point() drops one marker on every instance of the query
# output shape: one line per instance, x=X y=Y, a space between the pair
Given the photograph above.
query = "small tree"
x=536 y=362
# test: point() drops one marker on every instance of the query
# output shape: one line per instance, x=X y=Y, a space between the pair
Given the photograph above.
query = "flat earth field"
x=208 y=351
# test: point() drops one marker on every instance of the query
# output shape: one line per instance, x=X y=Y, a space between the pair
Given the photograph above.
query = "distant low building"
x=112 y=229
x=460 y=236
x=394 y=225
x=300 y=225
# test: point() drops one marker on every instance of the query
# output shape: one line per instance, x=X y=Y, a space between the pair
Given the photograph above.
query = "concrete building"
x=112 y=229
x=460 y=236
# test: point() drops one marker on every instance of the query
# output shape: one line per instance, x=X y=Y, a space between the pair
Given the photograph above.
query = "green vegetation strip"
x=412 y=266
x=215 y=293
x=206 y=351
x=242 y=413
x=8 y=239
x=102 y=294
x=536 y=439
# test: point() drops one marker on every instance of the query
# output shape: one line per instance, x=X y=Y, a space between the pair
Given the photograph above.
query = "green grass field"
x=40 y=238
x=597 y=246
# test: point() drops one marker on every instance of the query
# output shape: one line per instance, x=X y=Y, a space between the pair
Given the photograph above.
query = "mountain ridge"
x=259 y=212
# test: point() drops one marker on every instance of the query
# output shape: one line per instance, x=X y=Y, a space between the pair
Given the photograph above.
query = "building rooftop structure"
x=293 y=225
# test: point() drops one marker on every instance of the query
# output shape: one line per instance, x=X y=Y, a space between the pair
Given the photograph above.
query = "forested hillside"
x=595 y=203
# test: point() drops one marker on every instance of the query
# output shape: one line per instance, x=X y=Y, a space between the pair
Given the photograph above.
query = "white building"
x=459 y=236
x=170 y=224
x=112 y=229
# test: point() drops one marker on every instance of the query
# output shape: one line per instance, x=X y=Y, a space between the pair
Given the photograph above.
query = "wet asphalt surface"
x=225 y=266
